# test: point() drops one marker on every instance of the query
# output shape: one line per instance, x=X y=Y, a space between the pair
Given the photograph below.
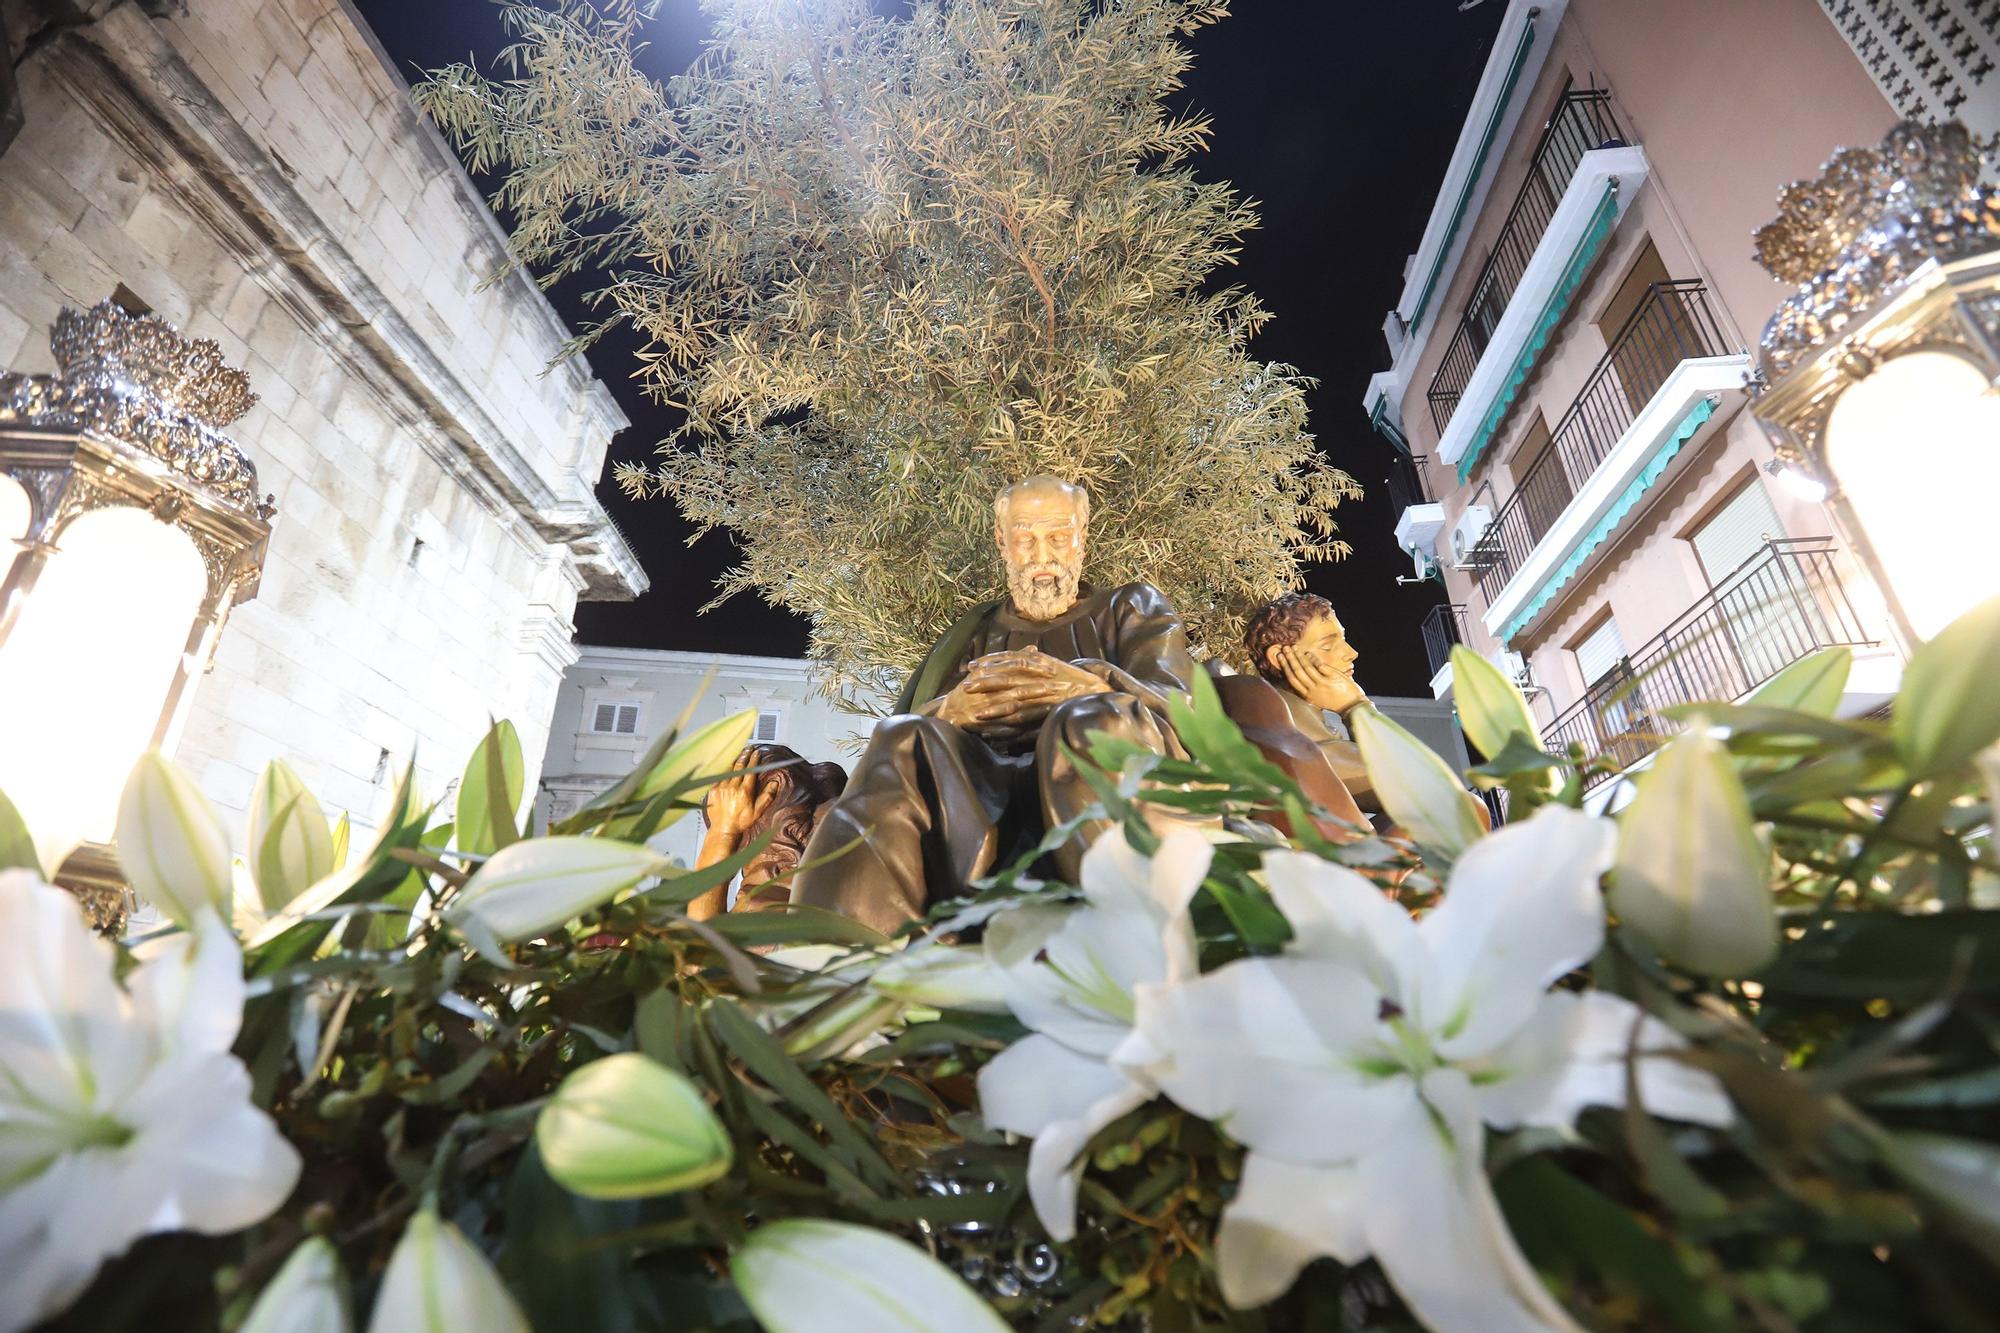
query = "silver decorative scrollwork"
x=135 y=379
x=1860 y=229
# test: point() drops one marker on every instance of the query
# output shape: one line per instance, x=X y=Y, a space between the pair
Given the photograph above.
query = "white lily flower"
x=438 y=1282
x=1361 y=1065
x=309 y=1294
x=122 y=1111
x=1069 y=972
x=942 y=976
x=533 y=886
x=171 y=844
x=806 y=1275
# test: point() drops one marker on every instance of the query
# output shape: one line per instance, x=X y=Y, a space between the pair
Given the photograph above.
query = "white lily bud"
x=171 y=845
x=437 y=1282
x=1947 y=710
x=288 y=844
x=309 y=1294
x=1490 y=706
x=811 y=1276
x=942 y=977
x=626 y=1126
x=1415 y=786
x=1690 y=875
x=532 y=887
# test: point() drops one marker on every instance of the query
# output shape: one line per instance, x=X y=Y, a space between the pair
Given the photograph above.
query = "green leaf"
x=17 y=849
x=1491 y=707
x=1949 y=709
x=556 y=1265
x=763 y=1057
x=1865 y=955
x=490 y=792
x=687 y=885
x=794 y=923
x=1219 y=743
x=1813 y=684
x=667 y=782
x=289 y=936
x=1562 y=1222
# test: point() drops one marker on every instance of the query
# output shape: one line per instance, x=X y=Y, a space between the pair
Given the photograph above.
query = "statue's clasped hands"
x=1005 y=696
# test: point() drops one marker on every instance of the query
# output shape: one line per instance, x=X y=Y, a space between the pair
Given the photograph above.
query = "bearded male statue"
x=970 y=770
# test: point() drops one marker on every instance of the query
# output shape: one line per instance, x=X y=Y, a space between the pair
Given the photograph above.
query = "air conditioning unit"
x=1469 y=547
x=1512 y=665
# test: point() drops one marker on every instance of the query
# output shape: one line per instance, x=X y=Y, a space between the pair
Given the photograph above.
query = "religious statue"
x=1306 y=665
x=971 y=767
x=738 y=809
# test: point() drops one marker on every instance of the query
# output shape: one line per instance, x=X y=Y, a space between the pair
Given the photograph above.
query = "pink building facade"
x=1572 y=363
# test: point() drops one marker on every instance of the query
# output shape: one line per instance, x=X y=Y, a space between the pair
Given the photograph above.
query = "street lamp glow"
x=129 y=525
x=1915 y=447
x=86 y=666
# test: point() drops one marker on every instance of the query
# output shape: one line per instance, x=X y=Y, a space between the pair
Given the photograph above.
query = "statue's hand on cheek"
x=1334 y=691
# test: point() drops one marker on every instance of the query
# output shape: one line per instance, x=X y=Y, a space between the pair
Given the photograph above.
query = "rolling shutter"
x=1600 y=651
x=1736 y=532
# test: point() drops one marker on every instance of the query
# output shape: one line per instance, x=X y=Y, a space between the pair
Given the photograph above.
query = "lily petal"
x=1041 y=1088
x=1434 y=1226
x=1572 y=1055
x=1113 y=872
x=1522 y=907
x=1283 y=1217
x=1341 y=917
x=1285 y=1054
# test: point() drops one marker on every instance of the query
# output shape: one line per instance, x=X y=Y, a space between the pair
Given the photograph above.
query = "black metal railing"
x=1443 y=627
x=1407 y=483
x=1783 y=603
x=1582 y=122
x=1671 y=324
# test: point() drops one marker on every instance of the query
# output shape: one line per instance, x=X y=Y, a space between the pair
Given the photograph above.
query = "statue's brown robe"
x=936 y=807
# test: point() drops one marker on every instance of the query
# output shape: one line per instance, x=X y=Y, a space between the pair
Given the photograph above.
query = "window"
x=768 y=720
x=1539 y=475
x=1644 y=328
x=1769 y=617
x=1600 y=656
x=615 y=719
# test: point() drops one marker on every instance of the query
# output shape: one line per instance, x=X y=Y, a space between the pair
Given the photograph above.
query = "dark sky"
x=1336 y=116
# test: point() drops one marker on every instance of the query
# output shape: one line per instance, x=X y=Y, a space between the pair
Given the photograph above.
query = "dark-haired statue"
x=789 y=799
x=970 y=769
x=1305 y=672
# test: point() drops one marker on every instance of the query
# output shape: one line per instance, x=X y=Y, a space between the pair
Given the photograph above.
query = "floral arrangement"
x=1723 y=1059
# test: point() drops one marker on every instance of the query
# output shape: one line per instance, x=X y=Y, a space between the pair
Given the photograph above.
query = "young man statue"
x=971 y=769
x=1299 y=646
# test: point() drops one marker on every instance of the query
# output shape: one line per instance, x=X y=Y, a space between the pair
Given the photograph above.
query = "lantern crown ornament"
x=1851 y=236
x=1881 y=372
x=130 y=524
x=136 y=379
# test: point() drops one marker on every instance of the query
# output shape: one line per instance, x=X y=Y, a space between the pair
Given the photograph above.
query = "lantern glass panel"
x=85 y=674
x=15 y=516
x=1916 y=450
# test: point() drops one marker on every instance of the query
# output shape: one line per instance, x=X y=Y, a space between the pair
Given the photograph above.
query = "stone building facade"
x=255 y=172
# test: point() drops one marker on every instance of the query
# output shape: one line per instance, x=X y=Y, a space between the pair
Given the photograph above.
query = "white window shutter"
x=628 y=719
x=1600 y=651
x=606 y=718
x=767 y=726
x=1736 y=532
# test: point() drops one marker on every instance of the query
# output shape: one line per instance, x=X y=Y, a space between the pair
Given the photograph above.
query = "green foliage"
x=887 y=266
x=1856 y=1190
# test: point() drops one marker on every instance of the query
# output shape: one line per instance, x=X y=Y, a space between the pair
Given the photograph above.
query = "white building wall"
x=256 y=173
x=581 y=762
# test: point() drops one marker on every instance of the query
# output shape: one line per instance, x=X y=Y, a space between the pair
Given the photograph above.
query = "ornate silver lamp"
x=1882 y=368
x=129 y=526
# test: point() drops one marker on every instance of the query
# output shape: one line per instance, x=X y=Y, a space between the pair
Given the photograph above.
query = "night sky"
x=1336 y=117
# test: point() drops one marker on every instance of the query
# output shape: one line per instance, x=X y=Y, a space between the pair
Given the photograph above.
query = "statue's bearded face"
x=1041 y=539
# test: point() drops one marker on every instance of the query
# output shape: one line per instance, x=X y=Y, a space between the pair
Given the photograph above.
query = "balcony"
x=1443 y=627
x=1785 y=602
x=1582 y=122
x=1672 y=324
x=1407 y=484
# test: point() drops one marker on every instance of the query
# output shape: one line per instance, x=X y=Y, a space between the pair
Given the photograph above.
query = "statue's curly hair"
x=1280 y=622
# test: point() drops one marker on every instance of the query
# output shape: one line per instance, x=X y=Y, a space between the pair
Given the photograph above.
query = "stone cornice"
x=141 y=90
